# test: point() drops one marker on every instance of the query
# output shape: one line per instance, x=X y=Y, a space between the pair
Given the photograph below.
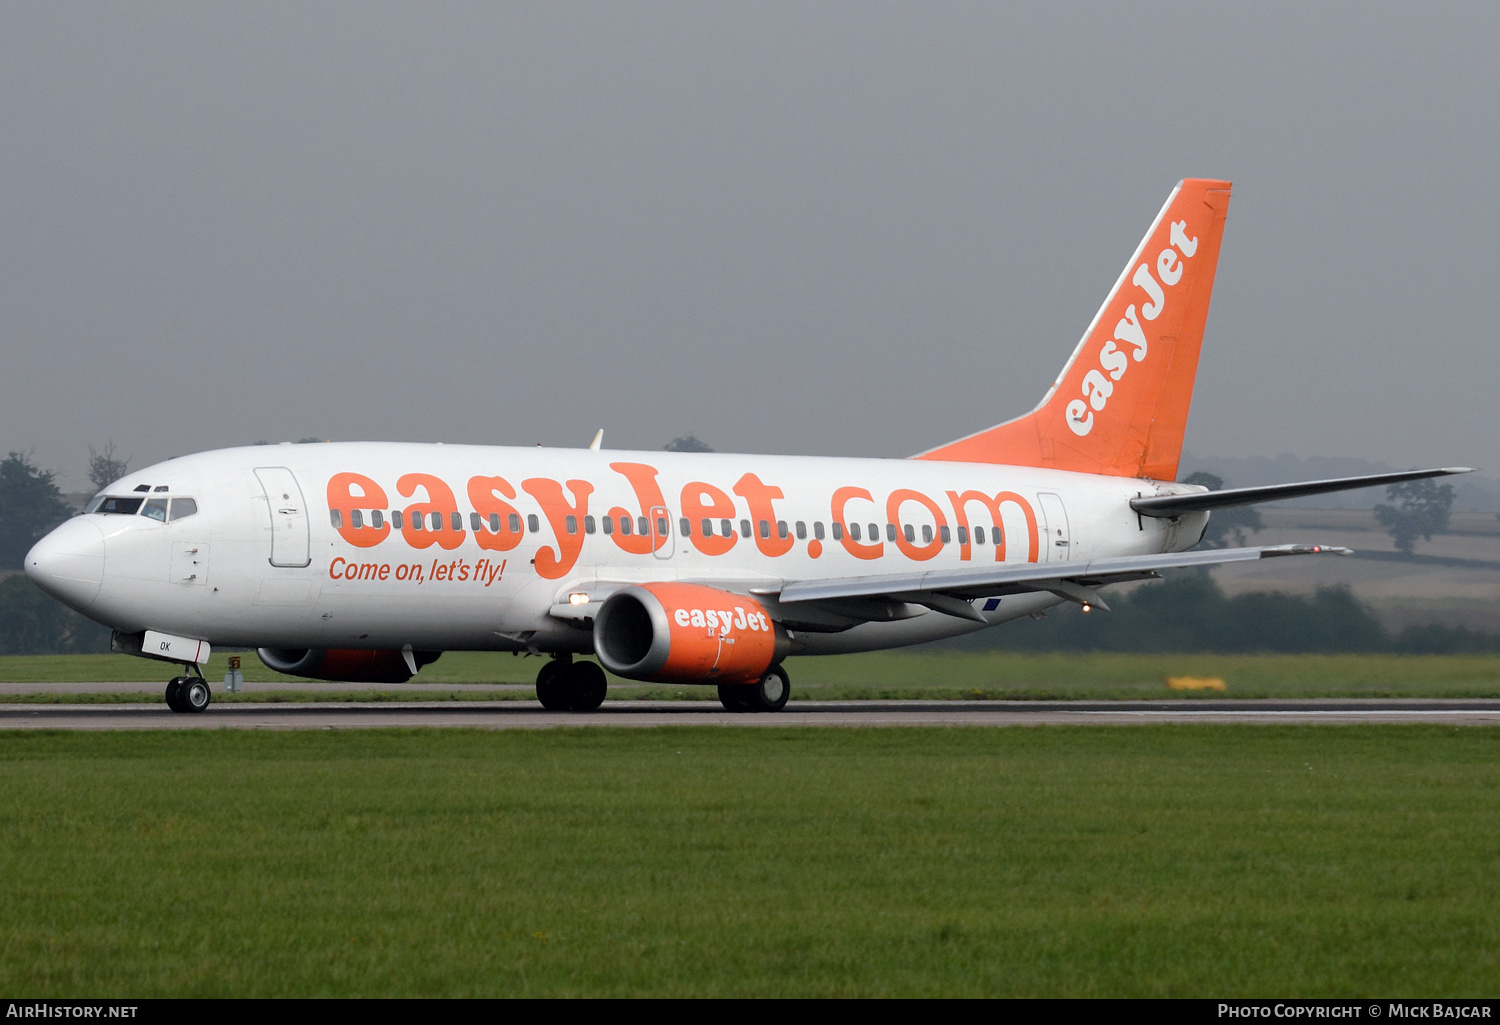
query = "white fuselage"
x=274 y=557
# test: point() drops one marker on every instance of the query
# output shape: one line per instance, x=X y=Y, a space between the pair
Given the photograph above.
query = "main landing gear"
x=563 y=685
x=769 y=695
x=189 y=692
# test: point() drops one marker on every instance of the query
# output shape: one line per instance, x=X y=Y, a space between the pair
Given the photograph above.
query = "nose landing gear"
x=189 y=692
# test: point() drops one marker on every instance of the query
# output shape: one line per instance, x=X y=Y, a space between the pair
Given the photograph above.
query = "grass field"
x=1201 y=860
x=897 y=675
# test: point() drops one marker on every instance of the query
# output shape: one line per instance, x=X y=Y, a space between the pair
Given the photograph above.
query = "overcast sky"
x=857 y=228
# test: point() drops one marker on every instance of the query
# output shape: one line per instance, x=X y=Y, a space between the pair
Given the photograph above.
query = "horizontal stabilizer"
x=1172 y=506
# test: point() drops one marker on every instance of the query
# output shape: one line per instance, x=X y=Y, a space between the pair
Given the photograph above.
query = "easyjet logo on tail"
x=1125 y=391
x=1099 y=383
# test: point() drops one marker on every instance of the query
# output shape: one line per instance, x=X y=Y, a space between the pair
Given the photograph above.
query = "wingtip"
x=1275 y=550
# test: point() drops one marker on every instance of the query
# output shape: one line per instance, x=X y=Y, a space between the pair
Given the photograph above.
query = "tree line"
x=1186 y=613
x=1189 y=612
x=31 y=504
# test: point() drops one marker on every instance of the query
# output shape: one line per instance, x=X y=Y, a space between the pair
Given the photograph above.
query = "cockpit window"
x=182 y=508
x=112 y=504
x=94 y=504
x=156 y=509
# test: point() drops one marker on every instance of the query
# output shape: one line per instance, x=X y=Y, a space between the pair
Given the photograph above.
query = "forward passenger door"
x=289 y=528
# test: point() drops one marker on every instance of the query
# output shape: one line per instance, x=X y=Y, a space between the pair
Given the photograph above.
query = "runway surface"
x=528 y=715
x=158 y=686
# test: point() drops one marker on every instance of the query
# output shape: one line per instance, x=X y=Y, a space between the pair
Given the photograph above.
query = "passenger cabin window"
x=589 y=525
x=801 y=531
x=533 y=524
x=642 y=527
x=416 y=521
x=625 y=525
x=336 y=518
x=911 y=534
x=818 y=529
x=515 y=523
x=436 y=521
x=726 y=528
x=781 y=529
x=875 y=532
x=456 y=520
x=838 y=532
x=890 y=532
x=120 y=506
x=156 y=509
x=926 y=534
x=943 y=533
x=572 y=524
x=609 y=524
x=765 y=528
x=396 y=518
x=356 y=519
x=377 y=518
x=963 y=535
x=708 y=527
x=744 y=528
x=853 y=531
x=474 y=522
x=687 y=527
x=979 y=535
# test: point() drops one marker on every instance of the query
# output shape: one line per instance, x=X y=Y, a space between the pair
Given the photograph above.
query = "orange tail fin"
x=1120 y=406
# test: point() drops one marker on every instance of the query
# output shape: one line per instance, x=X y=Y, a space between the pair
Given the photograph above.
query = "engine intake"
x=344 y=665
x=687 y=633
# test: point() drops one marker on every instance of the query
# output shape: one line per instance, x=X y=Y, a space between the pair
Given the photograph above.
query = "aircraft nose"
x=69 y=562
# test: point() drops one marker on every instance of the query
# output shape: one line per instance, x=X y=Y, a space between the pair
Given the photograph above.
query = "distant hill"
x=1472 y=492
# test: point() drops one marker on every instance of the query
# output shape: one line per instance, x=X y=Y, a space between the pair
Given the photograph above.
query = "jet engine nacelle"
x=344 y=665
x=687 y=633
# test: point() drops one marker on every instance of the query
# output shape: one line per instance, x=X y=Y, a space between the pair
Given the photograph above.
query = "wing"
x=837 y=603
x=951 y=591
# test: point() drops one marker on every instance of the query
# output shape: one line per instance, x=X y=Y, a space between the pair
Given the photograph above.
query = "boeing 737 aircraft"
x=365 y=561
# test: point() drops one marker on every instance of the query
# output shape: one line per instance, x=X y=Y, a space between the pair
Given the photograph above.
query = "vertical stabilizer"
x=1120 y=405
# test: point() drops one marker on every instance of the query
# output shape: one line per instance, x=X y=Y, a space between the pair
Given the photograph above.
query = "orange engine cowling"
x=344 y=665
x=687 y=633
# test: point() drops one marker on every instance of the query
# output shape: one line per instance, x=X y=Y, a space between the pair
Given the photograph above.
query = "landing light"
x=578 y=598
x=1087 y=607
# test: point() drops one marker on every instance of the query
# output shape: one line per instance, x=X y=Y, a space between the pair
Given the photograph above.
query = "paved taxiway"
x=527 y=715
